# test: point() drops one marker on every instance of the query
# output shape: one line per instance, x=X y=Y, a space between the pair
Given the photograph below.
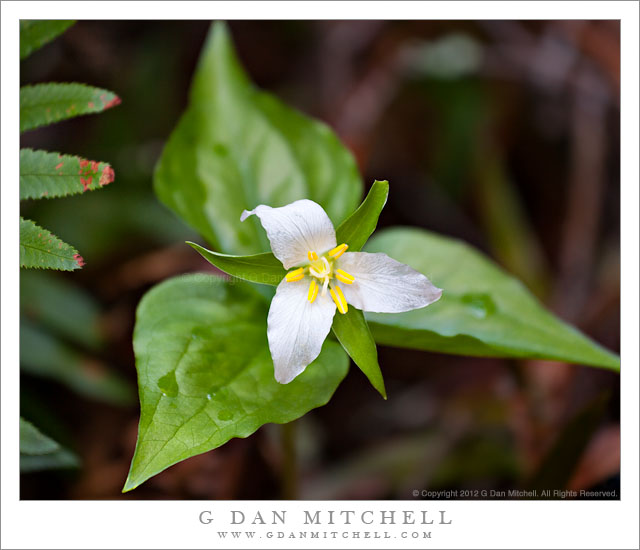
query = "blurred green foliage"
x=39 y=452
x=36 y=33
x=465 y=152
x=68 y=311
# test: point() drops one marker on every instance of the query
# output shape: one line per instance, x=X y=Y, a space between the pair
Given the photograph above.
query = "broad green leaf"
x=205 y=374
x=236 y=147
x=357 y=228
x=43 y=104
x=48 y=175
x=353 y=333
x=41 y=249
x=36 y=33
x=43 y=355
x=40 y=452
x=62 y=307
x=258 y=268
x=483 y=310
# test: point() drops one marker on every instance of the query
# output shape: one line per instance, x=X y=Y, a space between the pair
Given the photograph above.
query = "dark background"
x=504 y=134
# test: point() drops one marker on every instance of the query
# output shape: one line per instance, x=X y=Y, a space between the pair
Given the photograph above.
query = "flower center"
x=321 y=271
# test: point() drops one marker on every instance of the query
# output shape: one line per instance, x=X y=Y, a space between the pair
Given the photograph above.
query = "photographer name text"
x=328 y=517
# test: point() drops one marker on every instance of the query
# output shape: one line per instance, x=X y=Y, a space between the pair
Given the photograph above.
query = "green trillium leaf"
x=352 y=332
x=258 y=268
x=205 y=374
x=358 y=227
x=483 y=310
x=237 y=147
x=351 y=329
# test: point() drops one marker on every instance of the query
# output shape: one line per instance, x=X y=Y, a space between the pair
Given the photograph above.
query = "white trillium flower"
x=326 y=277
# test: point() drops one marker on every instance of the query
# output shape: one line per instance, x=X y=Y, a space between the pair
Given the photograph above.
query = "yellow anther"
x=295 y=275
x=338 y=298
x=338 y=250
x=312 y=256
x=313 y=291
x=344 y=277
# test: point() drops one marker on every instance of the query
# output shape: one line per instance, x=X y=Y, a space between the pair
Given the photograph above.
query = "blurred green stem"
x=289 y=467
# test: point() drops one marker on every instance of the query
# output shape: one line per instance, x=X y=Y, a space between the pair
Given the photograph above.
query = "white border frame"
x=498 y=524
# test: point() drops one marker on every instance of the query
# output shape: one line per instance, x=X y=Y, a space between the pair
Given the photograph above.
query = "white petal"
x=295 y=229
x=384 y=285
x=297 y=328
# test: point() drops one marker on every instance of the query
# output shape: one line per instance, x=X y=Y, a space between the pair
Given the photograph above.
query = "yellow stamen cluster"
x=344 y=277
x=338 y=251
x=313 y=291
x=320 y=269
x=338 y=298
x=295 y=275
